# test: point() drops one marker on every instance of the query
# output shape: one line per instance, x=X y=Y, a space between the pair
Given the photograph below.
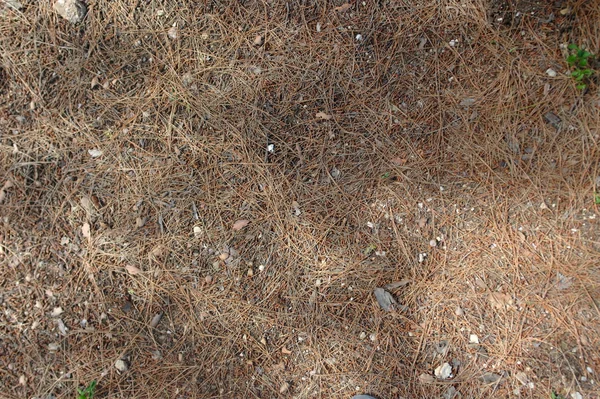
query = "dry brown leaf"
x=284 y=387
x=343 y=8
x=323 y=115
x=285 y=351
x=85 y=231
x=499 y=300
x=240 y=224
x=132 y=270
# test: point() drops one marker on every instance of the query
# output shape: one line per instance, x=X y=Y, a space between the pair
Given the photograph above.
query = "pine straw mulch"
x=396 y=156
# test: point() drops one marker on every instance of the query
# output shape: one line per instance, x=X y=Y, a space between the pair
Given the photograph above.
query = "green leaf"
x=583 y=62
x=572 y=46
x=571 y=59
x=581 y=86
x=586 y=54
x=597 y=198
x=385 y=175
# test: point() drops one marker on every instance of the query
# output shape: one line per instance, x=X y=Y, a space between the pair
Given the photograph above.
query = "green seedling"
x=579 y=61
x=597 y=198
x=555 y=395
x=87 y=392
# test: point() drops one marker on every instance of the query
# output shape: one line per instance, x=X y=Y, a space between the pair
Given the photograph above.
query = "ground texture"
x=199 y=198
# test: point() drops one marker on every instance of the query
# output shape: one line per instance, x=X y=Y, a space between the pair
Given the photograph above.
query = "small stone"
x=362 y=335
x=552 y=119
x=543 y=206
x=208 y=279
x=433 y=243
x=467 y=102
x=490 y=378
x=156 y=355
x=14 y=4
x=72 y=10
x=459 y=311
x=385 y=299
x=22 y=380
x=450 y=393
x=57 y=311
x=373 y=337
x=258 y=40
x=576 y=395
x=121 y=365
x=250 y=273
x=53 y=347
x=155 y=320
x=426 y=378
x=443 y=371
x=224 y=256
x=473 y=339
x=551 y=72
x=173 y=33
x=160 y=13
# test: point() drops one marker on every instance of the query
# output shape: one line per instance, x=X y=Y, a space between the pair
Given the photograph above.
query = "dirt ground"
x=200 y=197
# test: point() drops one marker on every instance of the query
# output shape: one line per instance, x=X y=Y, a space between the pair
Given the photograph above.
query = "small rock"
x=173 y=33
x=121 y=365
x=197 y=231
x=426 y=378
x=53 y=347
x=224 y=256
x=576 y=395
x=459 y=311
x=14 y=4
x=433 y=243
x=473 y=339
x=443 y=371
x=385 y=299
x=450 y=393
x=490 y=378
x=57 y=311
x=467 y=102
x=95 y=153
x=22 y=380
x=552 y=119
x=155 y=320
x=61 y=327
x=543 y=206
x=156 y=355
x=72 y=10
x=563 y=282
x=551 y=72
x=258 y=40
x=362 y=335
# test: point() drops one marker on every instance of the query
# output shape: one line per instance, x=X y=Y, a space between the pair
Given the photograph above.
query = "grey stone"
x=72 y=10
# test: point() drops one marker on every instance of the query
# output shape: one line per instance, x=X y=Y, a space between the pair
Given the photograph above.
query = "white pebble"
x=551 y=72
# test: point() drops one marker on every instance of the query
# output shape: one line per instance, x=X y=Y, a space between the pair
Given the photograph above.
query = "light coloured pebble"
x=459 y=311
x=362 y=335
x=121 y=365
x=72 y=10
x=433 y=243
x=53 y=346
x=551 y=72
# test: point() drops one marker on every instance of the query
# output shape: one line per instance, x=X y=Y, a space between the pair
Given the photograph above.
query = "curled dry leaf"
x=286 y=351
x=500 y=300
x=343 y=8
x=323 y=115
x=132 y=270
x=240 y=224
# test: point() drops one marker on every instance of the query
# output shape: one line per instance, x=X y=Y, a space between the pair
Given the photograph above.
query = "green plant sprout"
x=579 y=59
x=87 y=392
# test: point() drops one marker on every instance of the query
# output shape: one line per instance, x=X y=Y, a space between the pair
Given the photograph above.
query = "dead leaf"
x=240 y=224
x=86 y=204
x=385 y=299
x=85 y=231
x=399 y=161
x=95 y=82
x=323 y=115
x=284 y=387
x=132 y=270
x=426 y=378
x=500 y=300
x=343 y=8
x=393 y=286
x=285 y=351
